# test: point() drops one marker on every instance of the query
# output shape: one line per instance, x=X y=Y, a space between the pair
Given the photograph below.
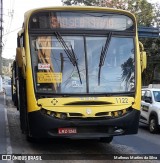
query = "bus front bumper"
x=44 y=126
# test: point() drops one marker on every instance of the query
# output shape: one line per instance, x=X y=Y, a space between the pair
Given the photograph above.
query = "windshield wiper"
x=70 y=53
x=103 y=55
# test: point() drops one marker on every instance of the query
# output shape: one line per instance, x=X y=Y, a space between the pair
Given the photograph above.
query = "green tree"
x=152 y=47
x=141 y=8
x=81 y=2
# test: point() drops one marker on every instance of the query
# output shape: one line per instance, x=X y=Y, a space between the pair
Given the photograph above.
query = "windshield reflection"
x=55 y=72
x=156 y=96
x=117 y=72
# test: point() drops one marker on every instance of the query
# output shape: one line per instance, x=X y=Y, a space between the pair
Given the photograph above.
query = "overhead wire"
x=9 y=24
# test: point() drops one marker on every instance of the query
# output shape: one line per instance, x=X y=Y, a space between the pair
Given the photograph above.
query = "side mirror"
x=143 y=57
x=148 y=100
x=143 y=60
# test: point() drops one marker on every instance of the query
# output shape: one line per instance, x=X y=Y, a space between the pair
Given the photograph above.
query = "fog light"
x=63 y=115
x=120 y=112
x=119 y=131
x=53 y=114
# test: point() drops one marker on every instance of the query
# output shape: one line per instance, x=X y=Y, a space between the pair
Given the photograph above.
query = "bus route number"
x=122 y=100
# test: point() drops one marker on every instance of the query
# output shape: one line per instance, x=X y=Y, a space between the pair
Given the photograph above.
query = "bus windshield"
x=73 y=64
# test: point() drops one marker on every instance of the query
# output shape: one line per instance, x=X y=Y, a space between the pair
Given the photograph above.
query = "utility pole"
x=1 y=31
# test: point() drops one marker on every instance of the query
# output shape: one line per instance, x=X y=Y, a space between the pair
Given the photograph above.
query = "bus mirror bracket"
x=21 y=58
x=18 y=57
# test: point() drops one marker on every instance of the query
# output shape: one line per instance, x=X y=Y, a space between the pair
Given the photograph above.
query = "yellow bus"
x=79 y=73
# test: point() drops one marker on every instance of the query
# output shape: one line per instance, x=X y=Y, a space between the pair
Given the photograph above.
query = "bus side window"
x=34 y=52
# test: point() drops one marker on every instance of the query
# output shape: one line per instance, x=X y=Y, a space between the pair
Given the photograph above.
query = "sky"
x=13 y=11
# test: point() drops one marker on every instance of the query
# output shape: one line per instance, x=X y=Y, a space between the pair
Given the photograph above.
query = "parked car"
x=7 y=87
x=150 y=108
x=1 y=84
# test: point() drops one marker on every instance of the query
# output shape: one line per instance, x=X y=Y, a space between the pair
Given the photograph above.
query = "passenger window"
x=156 y=96
x=148 y=97
x=142 y=95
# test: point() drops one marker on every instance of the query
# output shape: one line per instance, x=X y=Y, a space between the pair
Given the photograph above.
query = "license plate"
x=67 y=130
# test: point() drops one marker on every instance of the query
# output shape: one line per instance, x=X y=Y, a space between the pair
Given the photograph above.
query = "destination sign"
x=81 y=20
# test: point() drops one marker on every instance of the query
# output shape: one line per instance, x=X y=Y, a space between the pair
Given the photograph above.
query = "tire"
x=31 y=139
x=153 y=125
x=14 y=99
x=106 y=139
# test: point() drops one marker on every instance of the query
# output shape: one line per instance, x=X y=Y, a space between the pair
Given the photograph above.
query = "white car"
x=150 y=108
x=1 y=85
x=7 y=87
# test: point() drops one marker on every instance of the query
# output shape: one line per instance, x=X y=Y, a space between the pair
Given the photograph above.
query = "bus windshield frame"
x=74 y=48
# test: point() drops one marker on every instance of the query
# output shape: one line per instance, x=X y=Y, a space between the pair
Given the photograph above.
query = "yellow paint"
x=65 y=105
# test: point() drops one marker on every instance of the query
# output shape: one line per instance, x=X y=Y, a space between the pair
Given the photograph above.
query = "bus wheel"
x=153 y=125
x=34 y=139
x=106 y=139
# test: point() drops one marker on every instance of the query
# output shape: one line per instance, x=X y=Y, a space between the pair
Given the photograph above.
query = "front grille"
x=78 y=116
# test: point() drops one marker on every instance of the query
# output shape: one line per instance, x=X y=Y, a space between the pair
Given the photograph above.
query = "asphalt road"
x=143 y=143
x=3 y=140
x=88 y=150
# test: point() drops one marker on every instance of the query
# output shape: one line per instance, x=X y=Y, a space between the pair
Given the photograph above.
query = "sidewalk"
x=3 y=136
